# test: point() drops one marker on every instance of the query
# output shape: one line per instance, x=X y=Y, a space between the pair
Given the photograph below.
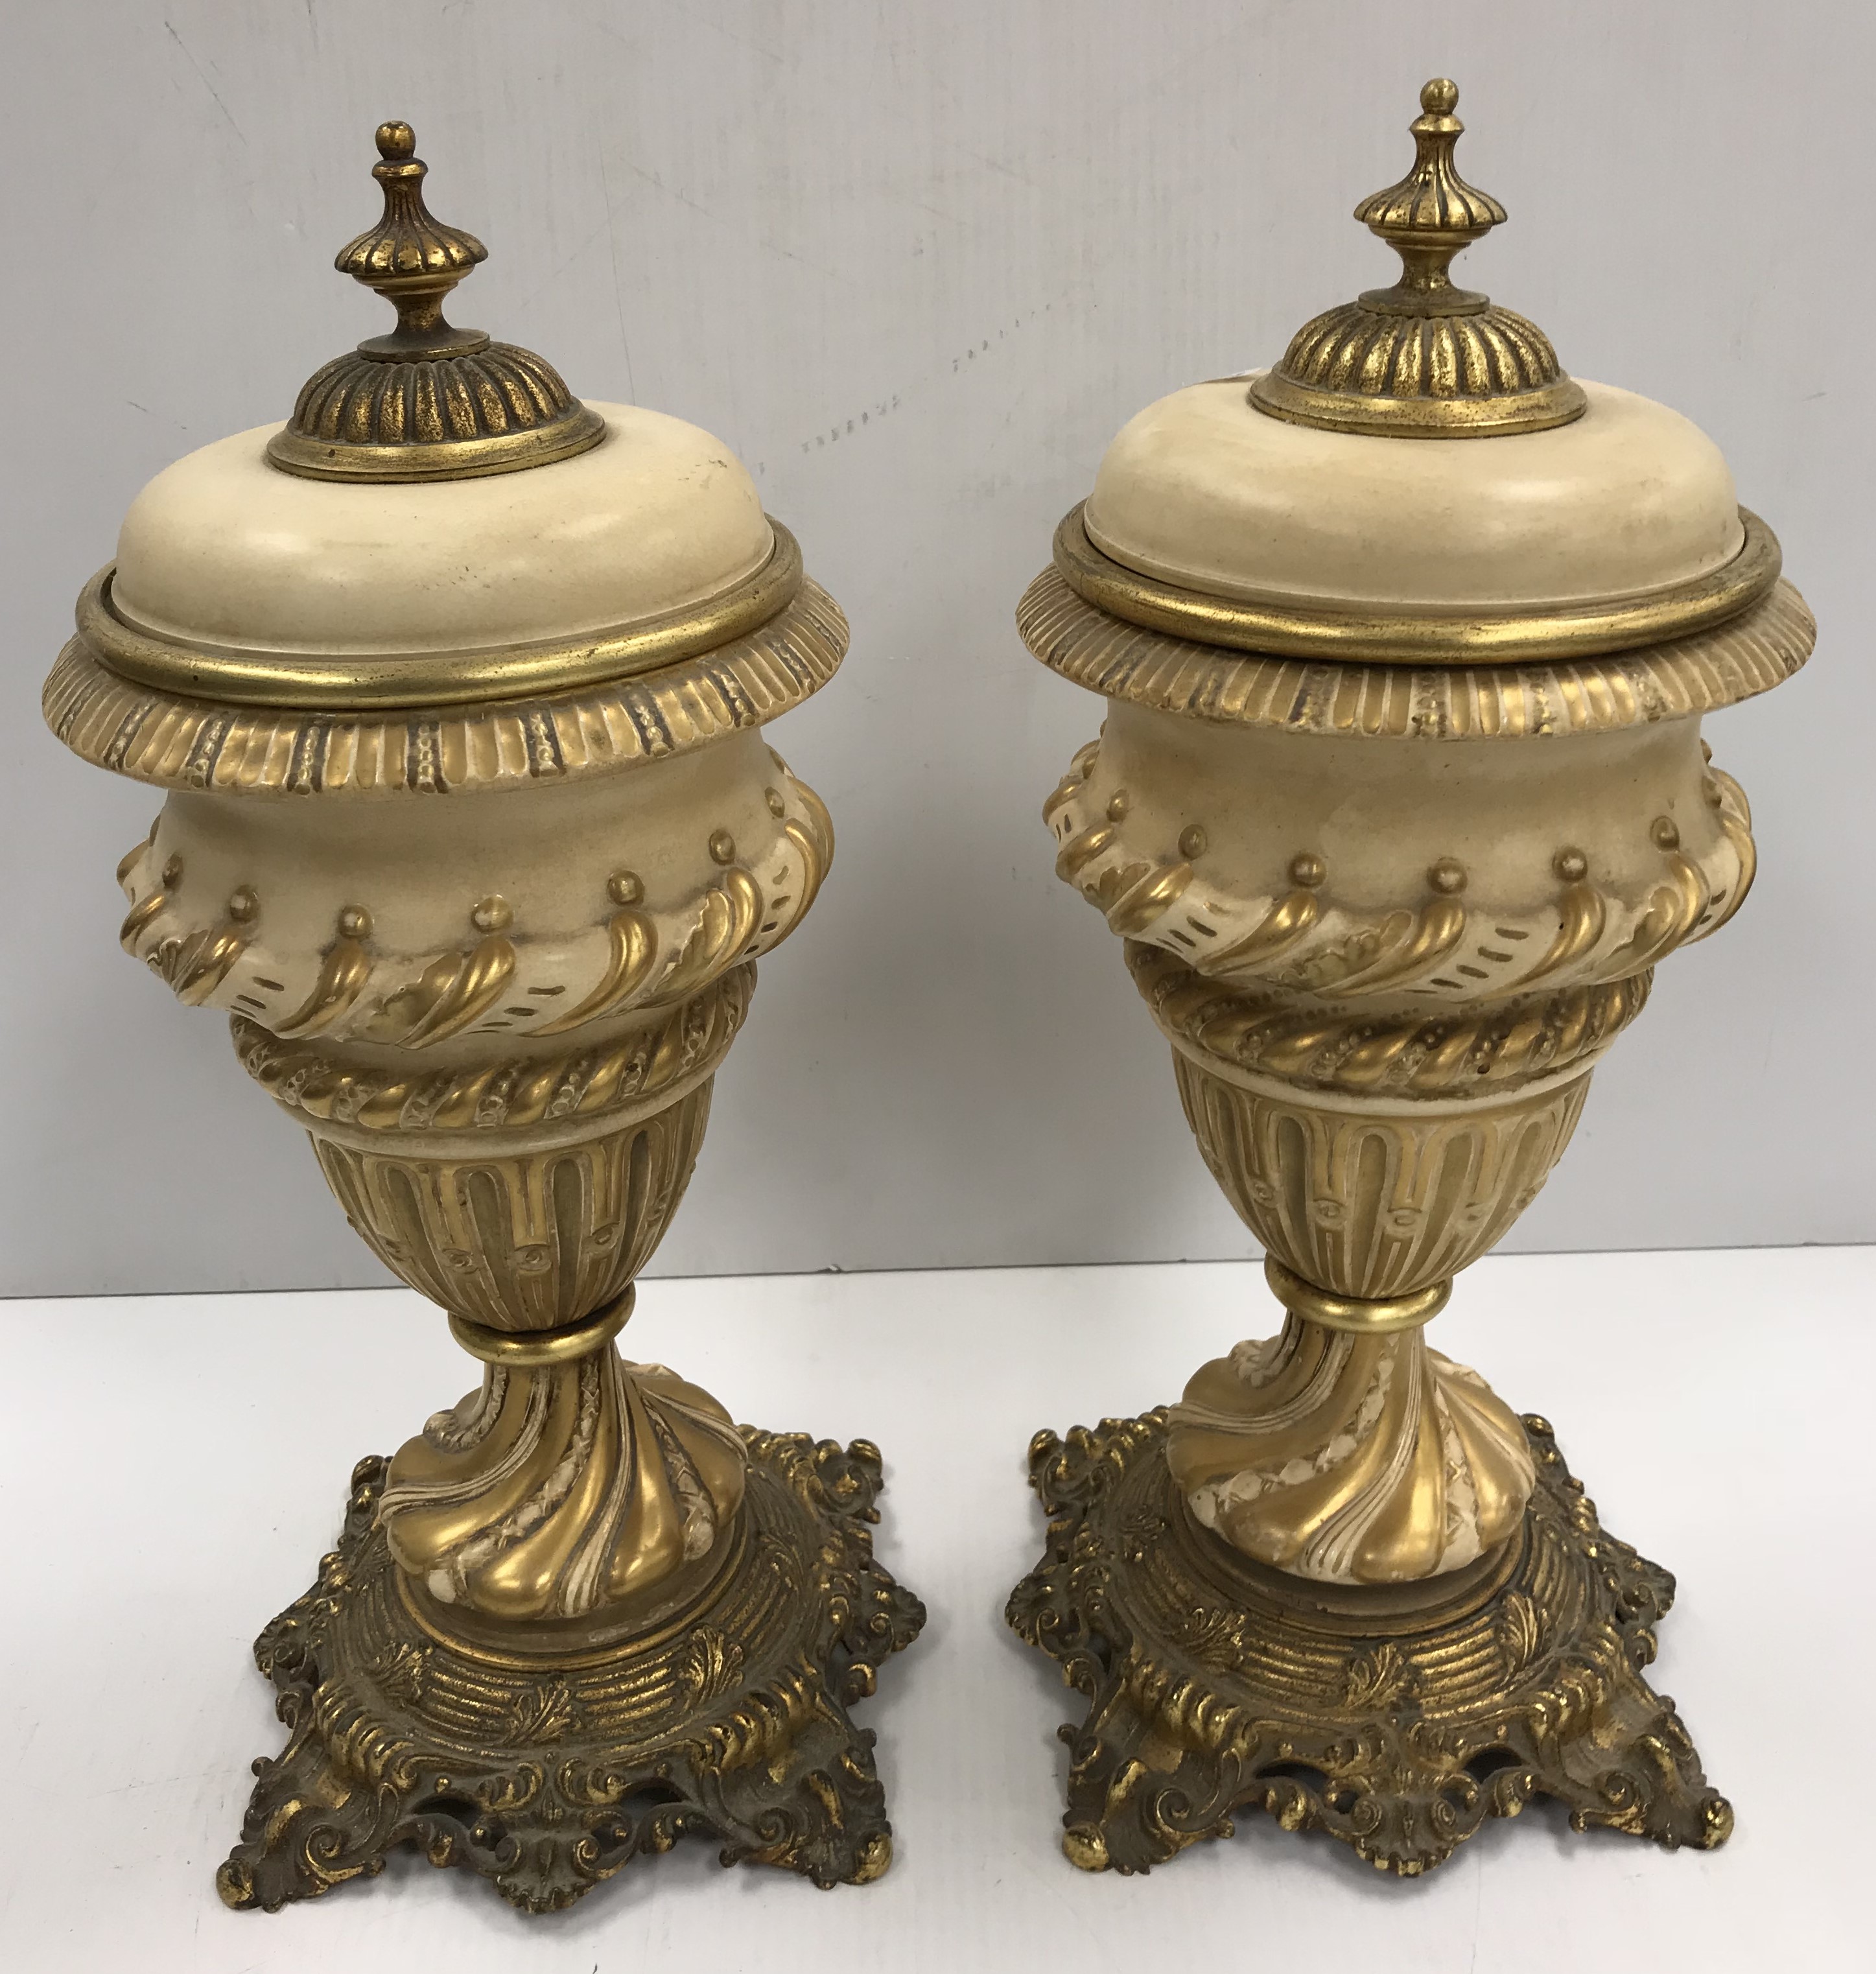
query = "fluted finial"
x=1424 y=358
x=426 y=401
x=410 y=257
x=1431 y=214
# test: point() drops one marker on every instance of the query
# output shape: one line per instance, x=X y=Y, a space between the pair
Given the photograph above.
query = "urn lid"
x=439 y=522
x=1417 y=479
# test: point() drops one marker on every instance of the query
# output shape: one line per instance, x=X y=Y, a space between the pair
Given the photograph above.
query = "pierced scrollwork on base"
x=548 y=1776
x=1211 y=1690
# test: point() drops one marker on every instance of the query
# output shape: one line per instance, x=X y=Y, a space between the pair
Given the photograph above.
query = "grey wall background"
x=916 y=263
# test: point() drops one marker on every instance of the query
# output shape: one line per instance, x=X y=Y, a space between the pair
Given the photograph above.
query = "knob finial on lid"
x=1431 y=214
x=1424 y=358
x=410 y=257
x=426 y=401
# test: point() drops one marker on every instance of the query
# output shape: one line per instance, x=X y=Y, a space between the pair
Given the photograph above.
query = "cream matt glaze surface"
x=224 y=549
x=1202 y=489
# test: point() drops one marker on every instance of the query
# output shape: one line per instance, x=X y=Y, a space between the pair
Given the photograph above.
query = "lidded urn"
x=1406 y=643
x=456 y=689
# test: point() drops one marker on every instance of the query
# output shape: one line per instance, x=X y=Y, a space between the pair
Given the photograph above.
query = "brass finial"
x=1424 y=358
x=410 y=257
x=426 y=401
x=1430 y=215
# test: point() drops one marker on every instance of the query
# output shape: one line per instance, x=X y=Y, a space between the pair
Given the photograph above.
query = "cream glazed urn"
x=1400 y=797
x=456 y=688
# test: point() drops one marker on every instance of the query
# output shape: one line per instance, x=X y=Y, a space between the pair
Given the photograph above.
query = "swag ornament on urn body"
x=1400 y=798
x=457 y=686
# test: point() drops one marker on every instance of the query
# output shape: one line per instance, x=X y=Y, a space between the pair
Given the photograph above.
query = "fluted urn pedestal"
x=1400 y=798
x=456 y=687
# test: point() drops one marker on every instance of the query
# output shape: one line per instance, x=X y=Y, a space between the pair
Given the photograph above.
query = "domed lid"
x=1531 y=513
x=440 y=522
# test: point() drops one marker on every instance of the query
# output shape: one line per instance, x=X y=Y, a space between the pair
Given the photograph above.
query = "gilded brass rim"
x=577 y=430
x=532 y=1349
x=1540 y=410
x=1355 y=1315
x=1480 y=638
x=433 y=678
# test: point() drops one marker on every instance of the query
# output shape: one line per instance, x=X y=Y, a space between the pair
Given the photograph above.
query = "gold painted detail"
x=1209 y=1694
x=1291 y=917
x=533 y=1349
x=1398 y=950
x=345 y=968
x=510 y=1090
x=632 y=939
x=428 y=401
x=171 y=740
x=1424 y=358
x=1302 y=942
x=1583 y=916
x=1380 y=1203
x=547 y=1780
x=728 y=926
x=1133 y=892
x=558 y=1490
x=1570 y=693
x=1274 y=625
x=1349 y=1459
x=527 y=1232
x=1355 y=1316
x=1728 y=799
x=365 y=682
x=1478 y=1052
x=193 y=962
x=453 y=993
x=654 y=958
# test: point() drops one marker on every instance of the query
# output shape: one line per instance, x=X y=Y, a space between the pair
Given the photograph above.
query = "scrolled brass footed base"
x=548 y=1775
x=1396 y=1717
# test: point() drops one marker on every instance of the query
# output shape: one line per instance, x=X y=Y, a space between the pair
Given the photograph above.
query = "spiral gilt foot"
x=1397 y=1718
x=1349 y=1458
x=547 y=1774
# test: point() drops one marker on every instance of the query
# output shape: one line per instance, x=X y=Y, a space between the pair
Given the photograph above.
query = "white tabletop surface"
x=171 y=1468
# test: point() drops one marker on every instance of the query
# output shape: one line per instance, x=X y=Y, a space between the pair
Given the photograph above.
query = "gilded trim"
x=1478 y=637
x=577 y=429
x=174 y=742
x=1357 y=339
x=331 y=1086
x=534 y=1349
x=1464 y=1055
x=1354 y=1315
x=1674 y=680
x=427 y=678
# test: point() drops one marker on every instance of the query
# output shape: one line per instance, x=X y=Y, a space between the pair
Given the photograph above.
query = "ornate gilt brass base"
x=1217 y=1684
x=550 y=1771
